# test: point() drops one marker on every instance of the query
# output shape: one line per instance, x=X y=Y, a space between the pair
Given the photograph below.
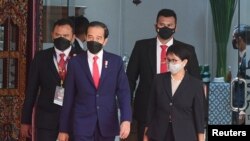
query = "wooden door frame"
x=34 y=38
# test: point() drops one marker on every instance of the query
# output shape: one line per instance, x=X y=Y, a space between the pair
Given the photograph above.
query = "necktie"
x=163 y=58
x=62 y=66
x=96 y=75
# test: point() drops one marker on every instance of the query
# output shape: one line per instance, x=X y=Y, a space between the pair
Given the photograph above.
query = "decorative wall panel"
x=13 y=21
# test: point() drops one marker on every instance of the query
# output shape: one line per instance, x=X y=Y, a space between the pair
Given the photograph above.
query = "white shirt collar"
x=241 y=53
x=66 y=51
x=169 y=43
x=91 y=55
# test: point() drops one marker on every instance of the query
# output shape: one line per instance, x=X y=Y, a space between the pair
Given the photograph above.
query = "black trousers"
x=140 y=130
x=46 y=134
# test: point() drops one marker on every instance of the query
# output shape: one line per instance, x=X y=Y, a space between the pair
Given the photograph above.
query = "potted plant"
x=222 y=12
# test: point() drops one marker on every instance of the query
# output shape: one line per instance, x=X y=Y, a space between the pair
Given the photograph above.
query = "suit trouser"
x=96 y=137
x=140 y=130
x=46 y=134
x=238 y=101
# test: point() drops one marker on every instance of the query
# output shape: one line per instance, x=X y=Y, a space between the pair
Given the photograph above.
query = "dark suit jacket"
x=90 y=105
x=238 y=97
x=242 y=66
x=42 y=80
x=142 y=66
x=77 y=46
x=186 y=108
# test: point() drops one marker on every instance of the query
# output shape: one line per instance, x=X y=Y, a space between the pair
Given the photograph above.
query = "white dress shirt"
x=158 y=53
x=57 y=57
x=99 y=61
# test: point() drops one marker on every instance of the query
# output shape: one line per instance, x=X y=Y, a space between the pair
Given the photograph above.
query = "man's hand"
x=124 y=129
x=242 y=116
x=145 y=137
x=63 y=136
x=26 y=130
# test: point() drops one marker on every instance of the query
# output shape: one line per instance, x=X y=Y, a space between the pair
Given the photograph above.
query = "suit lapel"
x=175 y=42
x=51 y=64
x=105 y=63
x=73 y=52
x=181 y=87
x=167 y=84
x=85 y=67
x=152 y=55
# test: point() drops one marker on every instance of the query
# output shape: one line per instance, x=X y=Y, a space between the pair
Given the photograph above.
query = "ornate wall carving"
x=13 y=13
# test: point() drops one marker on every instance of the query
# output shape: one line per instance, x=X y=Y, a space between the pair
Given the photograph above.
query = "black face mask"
x=234 y=43
x=165 y=32
x=61 y=43
x=94 y=47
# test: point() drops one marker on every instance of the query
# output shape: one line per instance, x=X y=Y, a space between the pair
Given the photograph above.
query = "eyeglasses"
x=173 y=60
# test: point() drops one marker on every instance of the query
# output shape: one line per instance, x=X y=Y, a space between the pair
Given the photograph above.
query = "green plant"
x=222 y=12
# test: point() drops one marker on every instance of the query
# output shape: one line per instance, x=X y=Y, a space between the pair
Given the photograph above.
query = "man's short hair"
x=243 y=31
x=167 y=13
x=80 y=23
x=64 y=21
x=102 y=25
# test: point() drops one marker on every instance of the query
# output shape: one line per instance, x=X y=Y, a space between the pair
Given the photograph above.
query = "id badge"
x=59 y=95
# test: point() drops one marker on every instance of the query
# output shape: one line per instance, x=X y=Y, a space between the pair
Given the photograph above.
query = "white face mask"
x=174 y=68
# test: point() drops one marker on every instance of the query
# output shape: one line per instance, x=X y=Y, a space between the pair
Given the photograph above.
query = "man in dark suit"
x=81 y=23
x=96 y=80
x=46 y=76
x=241 y=38
x=148 y=58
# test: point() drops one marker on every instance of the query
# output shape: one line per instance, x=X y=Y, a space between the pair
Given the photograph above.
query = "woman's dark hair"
x=180 y=51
